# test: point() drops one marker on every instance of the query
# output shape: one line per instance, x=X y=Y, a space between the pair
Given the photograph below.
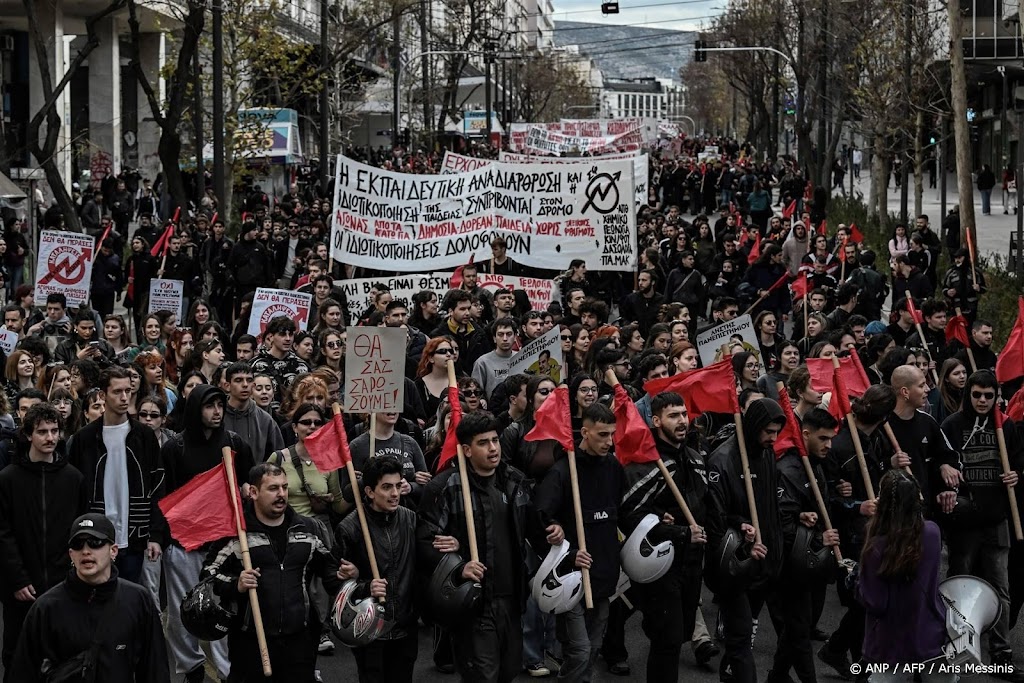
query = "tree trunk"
x=961 y=134
x=918 y=164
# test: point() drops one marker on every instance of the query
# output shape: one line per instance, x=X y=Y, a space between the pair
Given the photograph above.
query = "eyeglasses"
x=150 y=416
x=472 y=393
x=444 y=352
x=309 y=423
x=545 y=391
x=335 y=345
x=94 y=543
x=751 y=366
x=987 y=395
x=623 y=364
x=588 y=390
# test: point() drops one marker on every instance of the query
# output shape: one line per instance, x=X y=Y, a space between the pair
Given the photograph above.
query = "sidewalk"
x=993 y=231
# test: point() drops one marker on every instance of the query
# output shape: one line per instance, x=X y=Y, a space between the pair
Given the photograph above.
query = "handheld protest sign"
x=243 y=542
x=375 y=370
x=467 y=500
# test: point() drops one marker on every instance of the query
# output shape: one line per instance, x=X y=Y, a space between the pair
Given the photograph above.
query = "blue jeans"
x=986 y=201
x=580 y=631
x=538 y=633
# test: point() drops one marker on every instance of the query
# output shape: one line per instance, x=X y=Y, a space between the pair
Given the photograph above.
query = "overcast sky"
x=686 y=15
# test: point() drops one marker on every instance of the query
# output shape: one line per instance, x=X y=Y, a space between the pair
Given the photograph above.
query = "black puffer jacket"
x=38 y=503
x=727 y=496
x=394 y=545
x=283 y=587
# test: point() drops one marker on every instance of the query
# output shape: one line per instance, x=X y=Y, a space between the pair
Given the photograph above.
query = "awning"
x=10 y=191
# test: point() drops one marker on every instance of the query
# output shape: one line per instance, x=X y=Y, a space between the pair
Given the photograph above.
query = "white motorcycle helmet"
x=643 y=561
x=557 y=593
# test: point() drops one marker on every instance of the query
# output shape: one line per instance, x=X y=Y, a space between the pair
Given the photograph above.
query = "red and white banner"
x=64 y=266
x=268 y=304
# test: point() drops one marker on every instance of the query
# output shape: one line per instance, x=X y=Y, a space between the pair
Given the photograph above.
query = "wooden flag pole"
x=1014 y=511
x=807 y=295
x=857 y=447
x=924 y=341
x=467 y=499
x=970 y=351
x=676 y=493
x=748 y=484
x=581 y=538
x=357 y=495
x=373 y=435
x=887 y=428
x=243 y=542
x=812 y=481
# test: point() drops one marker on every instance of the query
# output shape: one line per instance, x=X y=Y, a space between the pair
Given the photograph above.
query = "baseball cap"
x=93 y=524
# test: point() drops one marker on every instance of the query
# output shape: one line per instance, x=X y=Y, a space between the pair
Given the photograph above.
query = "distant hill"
x=616 y=49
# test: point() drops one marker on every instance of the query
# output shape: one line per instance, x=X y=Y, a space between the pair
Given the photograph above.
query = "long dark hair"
x=900 y=519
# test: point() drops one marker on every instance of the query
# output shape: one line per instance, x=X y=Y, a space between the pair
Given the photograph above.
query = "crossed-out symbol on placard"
x=602 y=193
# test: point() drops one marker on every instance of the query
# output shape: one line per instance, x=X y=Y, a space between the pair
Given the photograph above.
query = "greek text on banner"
x=548 y=214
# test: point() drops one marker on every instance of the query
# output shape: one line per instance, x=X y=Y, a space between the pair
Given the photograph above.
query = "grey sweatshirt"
x=256 y=427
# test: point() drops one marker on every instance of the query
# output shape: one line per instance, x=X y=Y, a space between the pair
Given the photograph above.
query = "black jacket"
x=251 y=264
x=601 y=483
x=441 y=512
x=842 y=465
x=67 y=351
x=63 y=621
x=641 y=310
x=38 y=503
x=145 y=479
x=394 y=544
x=284 y=579
x=727 y=496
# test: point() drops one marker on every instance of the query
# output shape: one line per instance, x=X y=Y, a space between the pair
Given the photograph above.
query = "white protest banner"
x=741 y=329
x=8 y=340
x=595 y=128
x=166 y=295
x=548 y=215
x=542 y=356
x=459 y=163
x=402 y=288
x=268 y=304
x=64 y=266
x=517 y=135
x=640 y=167
x=546 y=141
x=375 y=370
x=541 y=292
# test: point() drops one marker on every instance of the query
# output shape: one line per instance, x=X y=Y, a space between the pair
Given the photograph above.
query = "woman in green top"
x=310 y=492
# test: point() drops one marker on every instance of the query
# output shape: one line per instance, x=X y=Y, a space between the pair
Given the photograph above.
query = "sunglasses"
x=94 y=543
x=988 y=395
x=335 y=345
x=544 y=392
x=565 y=337
x=444 y=352
x=309 y=423
x=472 y=393
x=770 y=322
x=150 y=416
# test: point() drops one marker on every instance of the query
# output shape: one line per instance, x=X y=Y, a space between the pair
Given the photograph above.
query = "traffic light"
x=699 y=55
x=404 y=138
x=609 y=8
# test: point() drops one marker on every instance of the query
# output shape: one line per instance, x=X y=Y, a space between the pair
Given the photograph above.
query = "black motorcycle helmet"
x=202 y=614
x=736 y=568
x=452 y=599
x=809 y=560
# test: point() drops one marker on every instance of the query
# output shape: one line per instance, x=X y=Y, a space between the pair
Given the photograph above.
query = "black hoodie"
x=192 y=453
x=973 y=436
x=38 y=503
x=727 y=496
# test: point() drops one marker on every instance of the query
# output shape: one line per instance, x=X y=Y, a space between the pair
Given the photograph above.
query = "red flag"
x=799 y=287
x=809 y=190
x=822 y=375
x=456 y=281
x=855 y=234
x=912 y=309
x=328 y=446
x=755 y=250
x=450 y=448
x=1010 y=364
x=552 y=421
x=791 y=435
x=956 y=328
x=822 y=228
x=161 y=244
x=839 y=406
x=789 y=210
x=842 y=250
x=215 y=217
x=708 y=390
x=633 y=439
x=852 y=381
x=1015 y=408
x=200 y=511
